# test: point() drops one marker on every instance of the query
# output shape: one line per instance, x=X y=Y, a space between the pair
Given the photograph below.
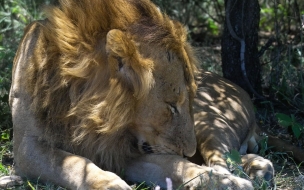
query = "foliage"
x=203 y=18
x=234 y=161
x=14 y=16
x=282 y=59
x=290 y=121
x=5 y=116
x=233 y=157
x=263 y=146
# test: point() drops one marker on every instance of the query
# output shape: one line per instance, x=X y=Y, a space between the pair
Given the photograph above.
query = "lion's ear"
x=127 y=65
x=119 y=45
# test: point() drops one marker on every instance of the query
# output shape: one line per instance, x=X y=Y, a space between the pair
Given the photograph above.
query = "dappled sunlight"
x=224 y=121
x=220 y=104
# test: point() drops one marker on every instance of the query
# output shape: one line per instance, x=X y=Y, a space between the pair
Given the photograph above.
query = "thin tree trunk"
x=244 y=16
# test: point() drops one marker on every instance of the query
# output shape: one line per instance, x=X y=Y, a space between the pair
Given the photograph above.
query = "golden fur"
x=76 y=91
x=225 y=121
x=100 y=84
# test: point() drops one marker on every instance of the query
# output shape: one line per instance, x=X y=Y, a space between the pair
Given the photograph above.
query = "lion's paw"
x=207 y=178
x=258 y=167
x=114 y=185
x=106 y=180
x=10 y=181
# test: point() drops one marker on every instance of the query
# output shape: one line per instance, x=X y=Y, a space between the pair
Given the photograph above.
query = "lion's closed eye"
x=173 y=108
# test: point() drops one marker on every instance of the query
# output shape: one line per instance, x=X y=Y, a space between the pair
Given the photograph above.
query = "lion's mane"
x=81 y=105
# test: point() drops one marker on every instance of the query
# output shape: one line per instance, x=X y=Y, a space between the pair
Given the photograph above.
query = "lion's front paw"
x=116 y=184
x=229 y=181
x=105 y=180
x=208 y=178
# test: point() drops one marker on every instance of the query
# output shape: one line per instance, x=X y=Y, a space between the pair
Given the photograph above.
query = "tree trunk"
x=244 y=17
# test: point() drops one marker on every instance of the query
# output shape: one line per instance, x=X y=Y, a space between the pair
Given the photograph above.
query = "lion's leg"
x=256 y=166
x=36 y=160
x=156 y=168
x=213 y=144
x=214 y=139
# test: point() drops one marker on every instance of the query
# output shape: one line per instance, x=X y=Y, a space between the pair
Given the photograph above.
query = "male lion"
x=103 y=88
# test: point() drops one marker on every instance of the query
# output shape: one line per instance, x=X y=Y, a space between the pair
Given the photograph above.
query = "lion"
x=103 y=91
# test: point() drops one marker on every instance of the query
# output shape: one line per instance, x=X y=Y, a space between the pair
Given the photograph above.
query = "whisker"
x=157 y=149
x=171 y=149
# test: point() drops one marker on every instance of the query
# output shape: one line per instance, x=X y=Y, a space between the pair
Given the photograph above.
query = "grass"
x=288 y=173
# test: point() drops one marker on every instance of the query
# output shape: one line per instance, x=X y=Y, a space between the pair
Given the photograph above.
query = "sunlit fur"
x=82 y=103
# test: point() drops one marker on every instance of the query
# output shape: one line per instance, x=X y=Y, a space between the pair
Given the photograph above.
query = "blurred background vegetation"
x=280 y=52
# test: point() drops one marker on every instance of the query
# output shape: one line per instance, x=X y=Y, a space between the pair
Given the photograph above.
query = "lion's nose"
x=190 y=149
x=147 y=148
x=189 y=152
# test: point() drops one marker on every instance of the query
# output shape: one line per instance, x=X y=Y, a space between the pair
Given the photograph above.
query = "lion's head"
x=114 y=79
